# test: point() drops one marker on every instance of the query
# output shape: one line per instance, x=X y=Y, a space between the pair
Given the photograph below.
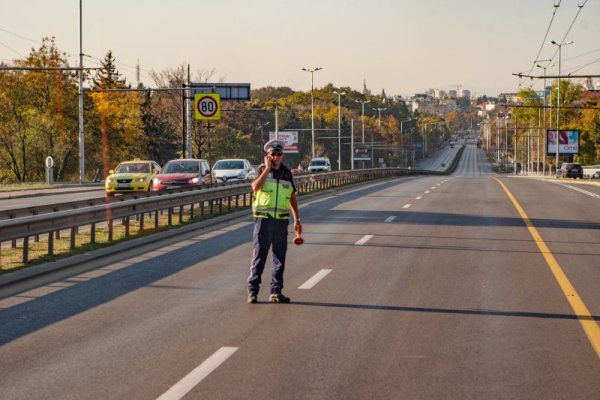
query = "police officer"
x=274 y=198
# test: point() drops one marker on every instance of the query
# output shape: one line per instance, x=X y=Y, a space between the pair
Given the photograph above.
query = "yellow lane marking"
x=590 y=327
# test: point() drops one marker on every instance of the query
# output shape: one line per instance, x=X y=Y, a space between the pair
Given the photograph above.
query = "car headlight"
x=241 y=175
x=156 y=181
x=110 y=180
x=140 y=180
x=194 y=180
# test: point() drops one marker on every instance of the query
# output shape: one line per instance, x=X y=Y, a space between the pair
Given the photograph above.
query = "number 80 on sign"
x=207 y=106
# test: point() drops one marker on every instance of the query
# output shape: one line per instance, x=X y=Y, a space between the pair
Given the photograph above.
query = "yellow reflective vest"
x=273 y=199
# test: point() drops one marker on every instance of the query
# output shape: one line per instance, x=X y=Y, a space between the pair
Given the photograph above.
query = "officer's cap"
x=274 y=145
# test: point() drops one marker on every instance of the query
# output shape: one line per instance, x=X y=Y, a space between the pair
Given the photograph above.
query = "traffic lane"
x=44 y=200
x=495 y=269
x=569 y=223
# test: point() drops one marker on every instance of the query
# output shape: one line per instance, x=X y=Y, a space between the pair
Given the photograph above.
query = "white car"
x=319 y=164
x=234 y=169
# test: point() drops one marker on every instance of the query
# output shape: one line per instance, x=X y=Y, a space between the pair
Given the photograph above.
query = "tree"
x=119 y=135
x=41 y=115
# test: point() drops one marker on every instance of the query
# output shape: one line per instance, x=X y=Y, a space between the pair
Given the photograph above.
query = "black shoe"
x=252 y=299
x=278 y=298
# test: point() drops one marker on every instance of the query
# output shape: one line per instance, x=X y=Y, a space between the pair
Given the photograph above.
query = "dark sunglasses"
x=277 y=154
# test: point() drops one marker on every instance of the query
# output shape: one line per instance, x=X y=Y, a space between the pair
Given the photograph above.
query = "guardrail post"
x=126 y=220
x=181 y=214
x=93 y=233
x=210 y=203
x=156 y=222
x=170 y=216
x=192 y=211
x=141 y=219
x=50 y=243
x=201 y=209
x=72 y=238
x=110 y=230
x=25 y=249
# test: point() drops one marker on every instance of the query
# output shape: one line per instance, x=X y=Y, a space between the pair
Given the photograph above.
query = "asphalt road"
x=413 y=288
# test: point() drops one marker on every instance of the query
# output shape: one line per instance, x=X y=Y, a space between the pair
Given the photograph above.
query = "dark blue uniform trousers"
x=268 y=232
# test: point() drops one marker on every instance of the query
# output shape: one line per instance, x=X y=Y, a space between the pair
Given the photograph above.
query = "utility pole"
x=81 y=133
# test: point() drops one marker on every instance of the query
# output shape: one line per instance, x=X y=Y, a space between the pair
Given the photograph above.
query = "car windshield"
x=181 y=167
x=317 y=162
x=229 y=164
x=133 y=167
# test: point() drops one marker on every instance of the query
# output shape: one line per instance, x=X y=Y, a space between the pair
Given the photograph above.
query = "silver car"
x=233 y=169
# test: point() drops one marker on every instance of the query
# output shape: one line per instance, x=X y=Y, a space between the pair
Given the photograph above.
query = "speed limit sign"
x=207 y=106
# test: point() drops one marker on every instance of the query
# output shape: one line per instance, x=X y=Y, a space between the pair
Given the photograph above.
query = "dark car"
x=570 y=170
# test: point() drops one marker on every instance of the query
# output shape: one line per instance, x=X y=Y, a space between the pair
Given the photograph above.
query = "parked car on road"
x=234 y=169
x=181 y=173
x=570 y=170
x=131 y=176
x=319 y=164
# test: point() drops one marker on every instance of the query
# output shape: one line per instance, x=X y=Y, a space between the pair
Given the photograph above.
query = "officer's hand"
x=268 y=162
x=298 y=226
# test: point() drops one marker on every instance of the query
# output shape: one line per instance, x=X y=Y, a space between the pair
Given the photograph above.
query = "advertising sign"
x=362 y=153
x=568 y=142
x=290 y=138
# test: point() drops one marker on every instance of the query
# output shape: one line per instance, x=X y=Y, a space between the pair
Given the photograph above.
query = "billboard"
x=568 y=142
x=362 y=153
x=290 y=138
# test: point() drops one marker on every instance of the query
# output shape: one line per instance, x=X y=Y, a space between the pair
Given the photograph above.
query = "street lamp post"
x=402 y=139
x=363 y=117
x=80 y=95
x=312 y=104
x=544 y=68
x=262 y=140
x=362 y=120
x=560 y=45
x=379 y=110
x=340 y=94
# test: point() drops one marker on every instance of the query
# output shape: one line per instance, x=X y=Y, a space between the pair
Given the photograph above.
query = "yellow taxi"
x=131 y=176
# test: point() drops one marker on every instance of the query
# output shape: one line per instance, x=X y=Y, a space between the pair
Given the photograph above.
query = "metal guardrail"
x=52 y=223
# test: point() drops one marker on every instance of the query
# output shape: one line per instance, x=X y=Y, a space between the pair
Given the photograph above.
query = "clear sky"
x=402 y=46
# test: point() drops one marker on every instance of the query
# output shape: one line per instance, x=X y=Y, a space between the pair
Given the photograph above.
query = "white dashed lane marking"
x=390 y=219
x=364 y=240
x=192 y=379
x=309 y=284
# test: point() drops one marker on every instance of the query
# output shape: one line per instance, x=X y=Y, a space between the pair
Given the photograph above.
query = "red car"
x=180 y=173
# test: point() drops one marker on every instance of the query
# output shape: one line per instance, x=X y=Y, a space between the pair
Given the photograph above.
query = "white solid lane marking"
x=427 y=191
x=390 y=219
x=188 y=382
x=363 y=240
x=580 y=190
x=315 y=279
x=406 y=205
x=418 y=198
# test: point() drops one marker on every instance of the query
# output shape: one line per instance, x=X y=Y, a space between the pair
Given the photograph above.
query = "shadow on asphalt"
x=492 y=313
